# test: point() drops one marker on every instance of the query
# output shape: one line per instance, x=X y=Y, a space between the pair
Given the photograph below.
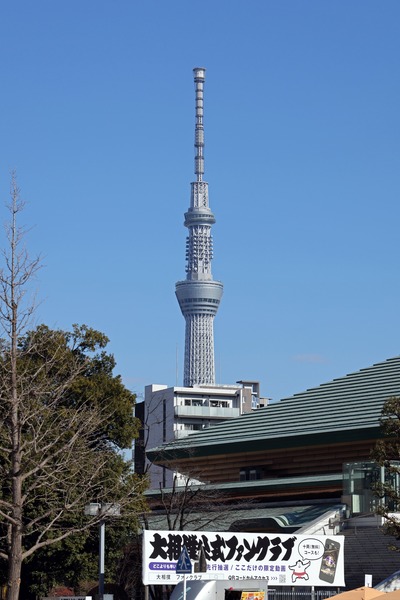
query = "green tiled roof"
x=349 y=405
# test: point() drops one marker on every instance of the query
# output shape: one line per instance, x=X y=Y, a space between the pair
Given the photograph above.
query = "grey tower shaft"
x=199 y=295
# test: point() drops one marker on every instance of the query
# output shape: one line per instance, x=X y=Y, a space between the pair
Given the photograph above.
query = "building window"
x=250 y=474
x=253 y=475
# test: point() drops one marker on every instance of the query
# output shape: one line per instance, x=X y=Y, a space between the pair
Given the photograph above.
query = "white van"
x=221 y=590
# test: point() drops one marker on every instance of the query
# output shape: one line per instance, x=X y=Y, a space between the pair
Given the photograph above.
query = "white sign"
x=279 y=559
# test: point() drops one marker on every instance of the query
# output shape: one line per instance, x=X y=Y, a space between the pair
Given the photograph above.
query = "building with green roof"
x=295 y=448
x=300 y=465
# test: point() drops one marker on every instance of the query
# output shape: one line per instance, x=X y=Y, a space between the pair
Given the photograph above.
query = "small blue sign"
x=184 y=564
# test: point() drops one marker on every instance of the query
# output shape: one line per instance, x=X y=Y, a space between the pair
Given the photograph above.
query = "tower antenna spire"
x=199 y=295
x=199 y=78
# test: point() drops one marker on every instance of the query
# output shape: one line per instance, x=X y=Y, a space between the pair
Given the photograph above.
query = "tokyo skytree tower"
x=199 y=295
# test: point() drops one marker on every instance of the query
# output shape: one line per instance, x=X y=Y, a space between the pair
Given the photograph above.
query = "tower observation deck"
x=199 y=295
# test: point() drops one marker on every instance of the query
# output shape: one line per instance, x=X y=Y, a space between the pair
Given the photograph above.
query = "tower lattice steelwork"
x=199 y=295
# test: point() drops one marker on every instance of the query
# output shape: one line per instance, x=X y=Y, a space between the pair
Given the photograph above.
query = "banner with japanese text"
x=278 y=559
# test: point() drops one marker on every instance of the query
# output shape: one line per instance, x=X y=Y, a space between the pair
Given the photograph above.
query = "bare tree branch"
x=55 y=456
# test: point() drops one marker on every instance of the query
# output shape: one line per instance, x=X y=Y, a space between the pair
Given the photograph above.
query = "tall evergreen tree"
x=387 y=454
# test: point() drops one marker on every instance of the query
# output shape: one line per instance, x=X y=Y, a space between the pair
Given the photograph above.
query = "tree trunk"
x=15 y=547
x=14 y=564
x=15 y=542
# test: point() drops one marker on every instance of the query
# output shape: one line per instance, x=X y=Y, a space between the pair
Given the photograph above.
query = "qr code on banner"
x=282 y=578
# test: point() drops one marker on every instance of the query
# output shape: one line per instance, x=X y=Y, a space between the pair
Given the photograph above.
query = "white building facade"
x=170 y=413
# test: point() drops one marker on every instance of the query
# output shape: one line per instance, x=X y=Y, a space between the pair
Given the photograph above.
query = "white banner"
x=279 y=559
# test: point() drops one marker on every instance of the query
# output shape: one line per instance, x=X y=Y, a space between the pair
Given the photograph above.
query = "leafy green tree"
x=73 y=562
x=74 y=559
x=387 y=454
x=64 y=418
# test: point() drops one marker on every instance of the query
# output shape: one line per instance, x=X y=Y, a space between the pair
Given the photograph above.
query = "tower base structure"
x=199 y=302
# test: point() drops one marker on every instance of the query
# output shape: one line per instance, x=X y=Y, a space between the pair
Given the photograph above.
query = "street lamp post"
x=102 y=546
x=103 y=509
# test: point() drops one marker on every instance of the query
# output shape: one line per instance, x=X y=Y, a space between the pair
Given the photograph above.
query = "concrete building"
x=171 y=413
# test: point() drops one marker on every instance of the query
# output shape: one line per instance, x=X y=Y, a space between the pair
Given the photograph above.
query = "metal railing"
x=293 y=594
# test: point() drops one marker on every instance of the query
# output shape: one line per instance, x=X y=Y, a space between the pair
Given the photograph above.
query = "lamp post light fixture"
x=102 y=510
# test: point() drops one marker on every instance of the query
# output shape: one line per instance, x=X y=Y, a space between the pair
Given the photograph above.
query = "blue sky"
x=302 y=127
